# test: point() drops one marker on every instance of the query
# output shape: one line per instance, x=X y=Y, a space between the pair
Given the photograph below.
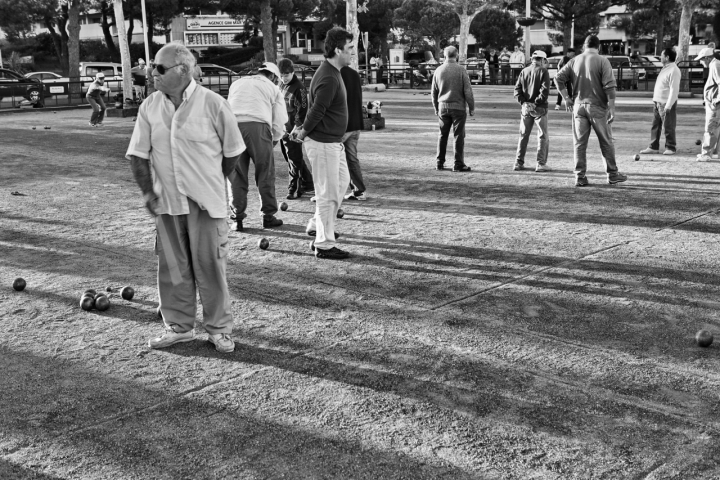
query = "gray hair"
x=451 y=52
x=183 y=56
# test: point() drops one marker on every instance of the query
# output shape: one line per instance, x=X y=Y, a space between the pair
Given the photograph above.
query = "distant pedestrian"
x=182 y=174
x=451 y=92
x=565 y=59
x=532 y=91
x=353 y=88
x=322 y=132
x=139 y=75
x=667 y=88
x=504 y=59
x=593 y=107
x=517 y=61
x=296 y=103
x=492 y=60
x=94 y=97
x=711 y=96
x=259 y=108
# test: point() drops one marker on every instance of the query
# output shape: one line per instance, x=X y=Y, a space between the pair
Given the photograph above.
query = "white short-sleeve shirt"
x=186 y=147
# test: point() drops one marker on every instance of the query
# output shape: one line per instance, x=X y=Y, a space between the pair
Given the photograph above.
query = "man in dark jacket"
x=531 y=91
x=324 y=126
x=293 y=90
x=353 y=87
x=491 y=57
x=561 y=64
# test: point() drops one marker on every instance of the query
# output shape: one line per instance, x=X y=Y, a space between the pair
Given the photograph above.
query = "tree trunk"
x=438 y=49
x=62 y=29
x=150 y=30
x=130 y=27
x=266 y=26
x=684 y=41
x=107 y=32
x=465 y=21
x=124 y=50
x=57 y=43
x=73 y=28
x=353 y=27
x=567 y=35
x=660 y=30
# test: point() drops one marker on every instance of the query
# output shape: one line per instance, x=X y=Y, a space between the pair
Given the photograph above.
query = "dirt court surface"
x=489 y=325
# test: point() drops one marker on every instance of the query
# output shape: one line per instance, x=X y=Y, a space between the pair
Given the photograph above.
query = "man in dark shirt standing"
x=353 y=87
x=296 y=103
x=324 y=127
x=531 y=91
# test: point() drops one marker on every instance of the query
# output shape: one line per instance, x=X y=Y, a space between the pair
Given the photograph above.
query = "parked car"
x=475 y=67
x=112 y=71
x=627 y=73
x=652 y=68
x=55 y=84
x=217 y=78
x=13 y=84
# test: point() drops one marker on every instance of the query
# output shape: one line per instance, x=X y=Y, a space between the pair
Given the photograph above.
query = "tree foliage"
x=495 y=28
x=428 y=18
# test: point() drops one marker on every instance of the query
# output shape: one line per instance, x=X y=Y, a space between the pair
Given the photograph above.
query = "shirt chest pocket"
x=197 y=129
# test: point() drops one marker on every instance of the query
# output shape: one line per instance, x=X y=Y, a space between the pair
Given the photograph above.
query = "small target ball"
x=87 y=303
x=19 y=284
x=636 y=157
x=283 y=206
x=127 y=293
x=102 y=303
x=341 y=213
x=108 y=289
x=33 y=128
x=263 y=244
x=703 y=338
x=698 y=142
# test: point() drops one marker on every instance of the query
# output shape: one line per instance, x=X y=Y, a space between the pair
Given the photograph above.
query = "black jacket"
x=295 y=102
x=353 y=87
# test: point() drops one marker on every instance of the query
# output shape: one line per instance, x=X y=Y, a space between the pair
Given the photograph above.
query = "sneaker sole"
x=613 y=182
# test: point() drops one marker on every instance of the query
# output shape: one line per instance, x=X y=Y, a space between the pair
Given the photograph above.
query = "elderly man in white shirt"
x=184 y=145
x=260 y=111
x=667 y=88
x=711 y=95
x=517 y=58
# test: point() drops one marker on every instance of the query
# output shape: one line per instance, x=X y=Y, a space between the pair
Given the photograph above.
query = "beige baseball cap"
x=705 y=52
x=539 y=53
x=270 y=67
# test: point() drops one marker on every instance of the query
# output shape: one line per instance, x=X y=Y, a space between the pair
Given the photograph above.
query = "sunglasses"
x=162 y=69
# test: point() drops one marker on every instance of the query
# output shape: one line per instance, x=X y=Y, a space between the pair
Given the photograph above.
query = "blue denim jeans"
x=526 y=125
x=588 y=117
x=455 y=119
x=667 y=118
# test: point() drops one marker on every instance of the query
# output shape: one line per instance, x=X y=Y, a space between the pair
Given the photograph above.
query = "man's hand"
x=152 y=203
x=472 y=113
x=611 y=116
x=298 y=134
x=569 y=104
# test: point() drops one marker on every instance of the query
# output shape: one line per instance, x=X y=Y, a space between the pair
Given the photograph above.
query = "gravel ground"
x=491 y=325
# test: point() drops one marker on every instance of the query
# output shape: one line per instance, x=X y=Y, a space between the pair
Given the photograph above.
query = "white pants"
x=331 y=177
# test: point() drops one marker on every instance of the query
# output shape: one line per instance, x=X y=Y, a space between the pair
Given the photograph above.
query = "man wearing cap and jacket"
x=94 y=98
x=531 y=91
x=259 y=108
x=139 y=76
x=711 y=95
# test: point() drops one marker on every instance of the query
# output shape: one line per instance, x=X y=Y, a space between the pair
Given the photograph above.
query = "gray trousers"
x=588 y=117
x=258 y=141
x=526 y=125
x=192 y=251
x=350 y=140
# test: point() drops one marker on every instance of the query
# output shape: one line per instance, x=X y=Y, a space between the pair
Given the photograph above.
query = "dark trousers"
x=455 y=119
x=301 y=179
x=350 y=140
x=98 y=106
x=658 y=123
x=259 y=144
x=505 y=70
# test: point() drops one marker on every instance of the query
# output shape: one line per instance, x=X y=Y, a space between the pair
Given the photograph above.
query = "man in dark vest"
x=296 y=102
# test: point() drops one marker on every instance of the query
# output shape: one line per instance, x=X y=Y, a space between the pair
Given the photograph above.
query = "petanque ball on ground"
x=341 y=213
x=87 y=303
x=127 y=293
x=33 y=128
x=108 y=289
x=703 y=338
x=19 y=284
x=283 y=206
x=636 y=157
x=102 y=303
x=263 y=243
x=100 y=294
x=91 y=290
x=698 y=142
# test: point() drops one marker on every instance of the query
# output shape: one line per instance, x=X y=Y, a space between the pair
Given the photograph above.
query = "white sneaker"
x=542 y=168
x=313 y=199
x=670 y=152
x=222 y=341
x=359 y=196
x=703 y=158
x=170 y=337
x=557 y=107
x=649 y=151
x=715 y=156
